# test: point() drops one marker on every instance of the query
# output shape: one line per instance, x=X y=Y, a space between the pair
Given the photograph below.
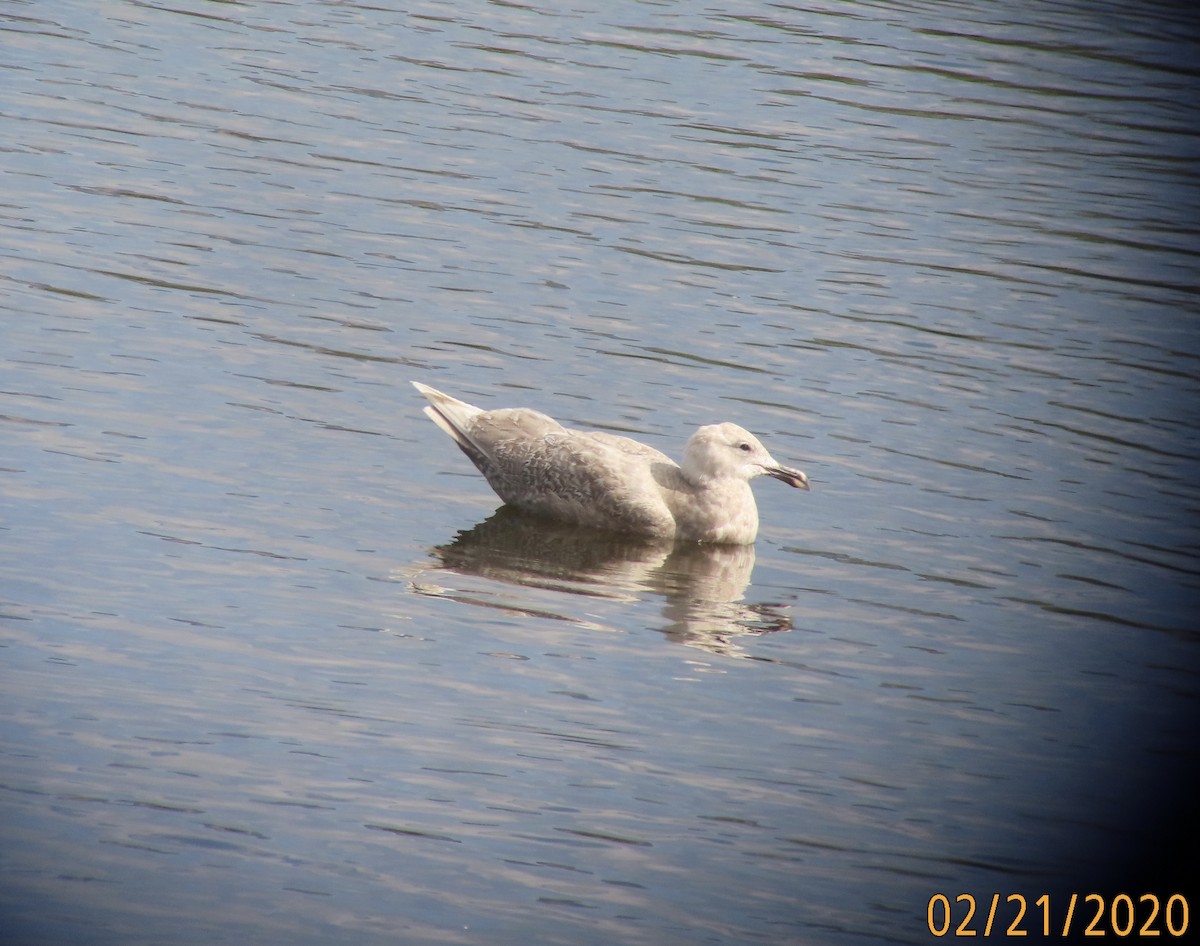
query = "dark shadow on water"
x=701 y=587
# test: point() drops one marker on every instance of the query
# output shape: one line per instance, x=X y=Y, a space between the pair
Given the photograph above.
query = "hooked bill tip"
x=793 y=478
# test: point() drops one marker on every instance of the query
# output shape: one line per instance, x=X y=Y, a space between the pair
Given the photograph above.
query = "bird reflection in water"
x=702 y=587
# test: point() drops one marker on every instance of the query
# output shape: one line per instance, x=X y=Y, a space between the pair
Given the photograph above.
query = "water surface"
x=274 y=669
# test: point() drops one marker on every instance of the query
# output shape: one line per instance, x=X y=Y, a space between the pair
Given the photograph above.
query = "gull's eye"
x=744 y=447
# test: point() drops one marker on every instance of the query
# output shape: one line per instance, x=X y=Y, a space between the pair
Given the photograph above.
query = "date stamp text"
x=1121 y=915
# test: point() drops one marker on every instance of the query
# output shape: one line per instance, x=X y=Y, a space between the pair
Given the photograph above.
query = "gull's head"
x=727 y=451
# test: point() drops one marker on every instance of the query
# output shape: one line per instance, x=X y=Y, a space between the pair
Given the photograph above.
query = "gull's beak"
x=792 y=477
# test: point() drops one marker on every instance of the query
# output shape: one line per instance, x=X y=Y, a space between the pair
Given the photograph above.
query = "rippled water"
x=273 y=669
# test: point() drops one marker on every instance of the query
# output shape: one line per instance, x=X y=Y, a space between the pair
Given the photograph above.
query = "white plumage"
x=606 y=481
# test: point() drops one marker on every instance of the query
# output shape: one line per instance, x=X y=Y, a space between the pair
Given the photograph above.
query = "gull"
x=606 y=481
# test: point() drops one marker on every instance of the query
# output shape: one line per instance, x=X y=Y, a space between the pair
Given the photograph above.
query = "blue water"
x=273 y=668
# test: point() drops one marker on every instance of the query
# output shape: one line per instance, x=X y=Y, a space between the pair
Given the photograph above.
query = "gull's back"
x=536 y=464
